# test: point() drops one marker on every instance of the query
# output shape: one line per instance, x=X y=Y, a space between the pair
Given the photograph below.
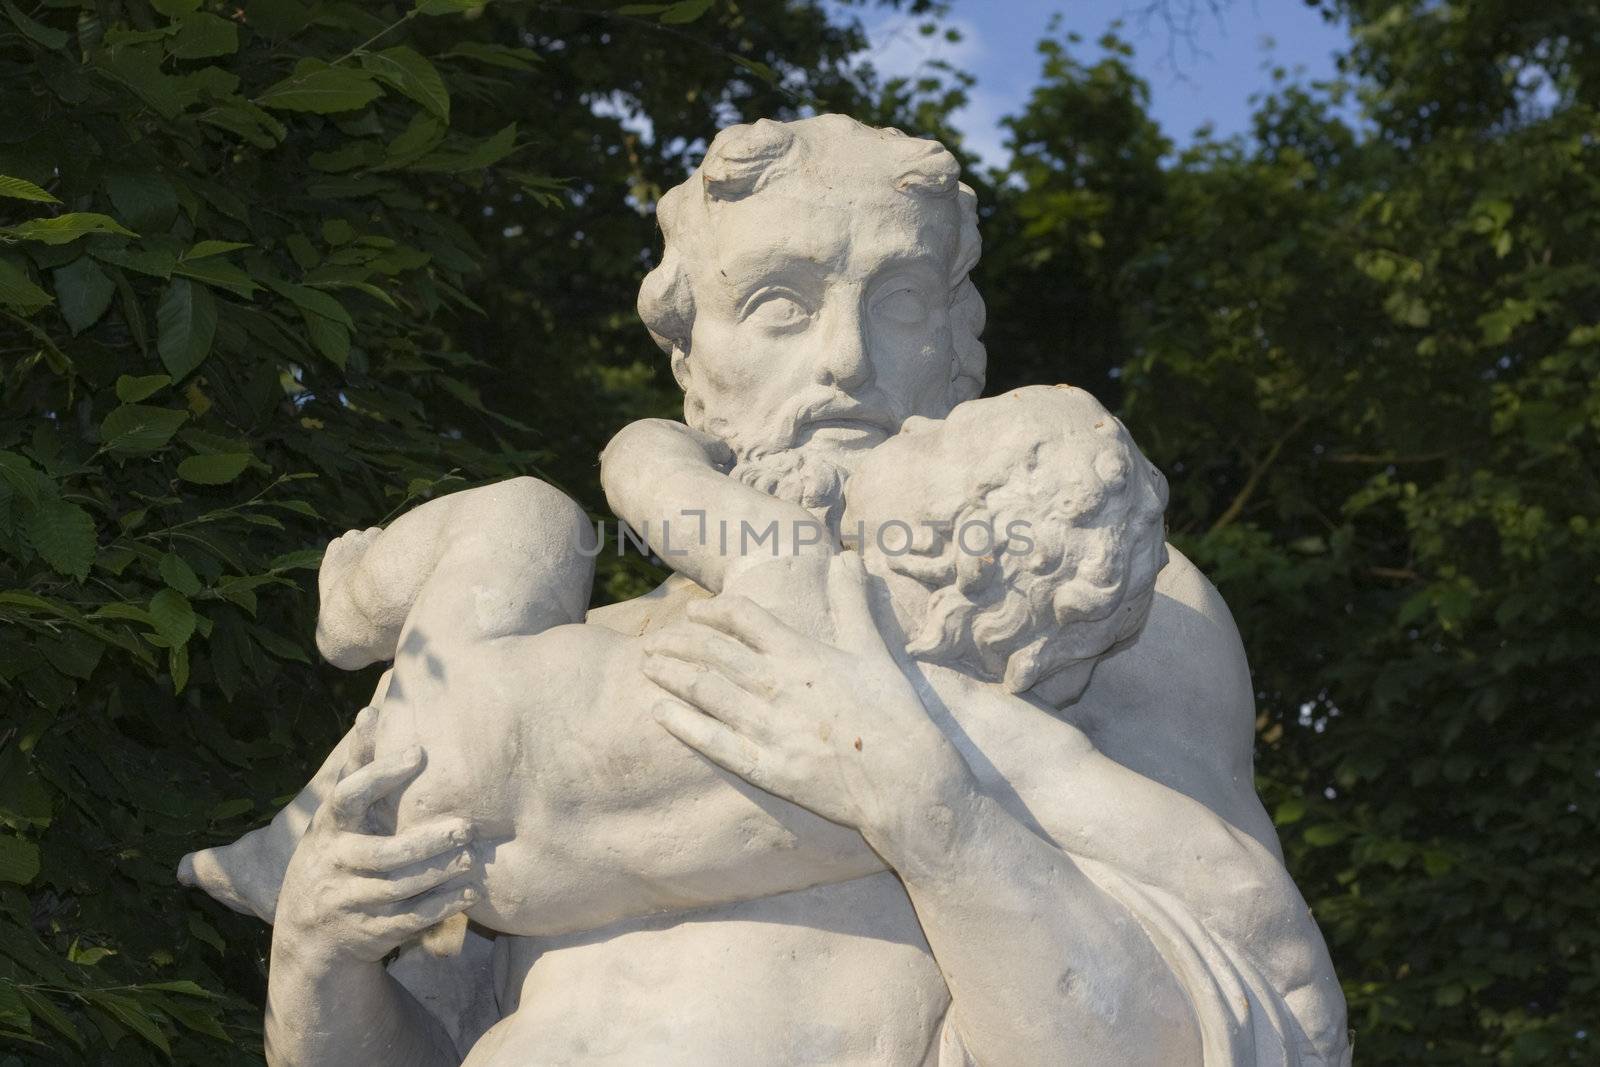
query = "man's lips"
x=842 y=431
x=846 y=415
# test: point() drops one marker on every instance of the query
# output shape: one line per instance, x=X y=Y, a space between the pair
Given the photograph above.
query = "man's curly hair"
x=1075 y=512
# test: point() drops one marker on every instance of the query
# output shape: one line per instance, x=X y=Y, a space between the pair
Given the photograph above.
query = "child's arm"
x=668 y=483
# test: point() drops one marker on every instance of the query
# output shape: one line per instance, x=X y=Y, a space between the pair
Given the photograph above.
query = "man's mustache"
x=823 y=404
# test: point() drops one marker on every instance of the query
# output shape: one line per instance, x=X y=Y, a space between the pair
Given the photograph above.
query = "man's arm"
x=668 y=483
x=1044 y=966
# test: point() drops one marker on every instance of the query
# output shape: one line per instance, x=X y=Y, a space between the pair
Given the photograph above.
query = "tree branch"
x=1258 y=470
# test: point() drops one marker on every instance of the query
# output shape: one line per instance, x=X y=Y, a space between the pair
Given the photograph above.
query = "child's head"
x=1036 y=523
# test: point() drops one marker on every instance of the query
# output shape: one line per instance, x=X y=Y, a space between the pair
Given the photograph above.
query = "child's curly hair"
x=1075 y=512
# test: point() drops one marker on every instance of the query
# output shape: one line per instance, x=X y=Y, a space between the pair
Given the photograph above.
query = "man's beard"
x=800 y=476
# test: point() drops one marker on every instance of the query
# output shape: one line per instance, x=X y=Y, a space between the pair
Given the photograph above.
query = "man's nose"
x=845 y=361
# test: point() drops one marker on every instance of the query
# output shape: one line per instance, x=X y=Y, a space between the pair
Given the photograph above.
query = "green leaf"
x=18 y=292
x=66 y=228
x=247 y=121
x=408 y=72
x=44 y=1008
x=178 y=574
x=144 y=198
x=494 y=55
x=321 y=89
x=178 y=666
x=448 y=7
x=83 y=292
x=204 y=249
x=421 y=135
x=186 y=323
x=1289 y=812
x=48 y=36
x=485 y=153
x=119 y=610
x=139 y=67
x=131 y=389
x=218 y=273
x=331 y=338
x=759 y=69
x=173 y=616
x=338 y=231
x=184 y=986
x=133 y=1015
x=308 y=559
x=88 y=957
x=1325 y=834
x=308 y=299
x=217 y=468
x=13 y=1012
x=63 y=535
x=685 y=11
x=133 y=429
x=156 y=262
x=18 y=189
x=19 y=860
x=175 y=8
x=202 y=34
x=200 y=1019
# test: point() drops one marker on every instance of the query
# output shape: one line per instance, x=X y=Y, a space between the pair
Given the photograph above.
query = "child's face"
x=889 y=496
x=901 y=496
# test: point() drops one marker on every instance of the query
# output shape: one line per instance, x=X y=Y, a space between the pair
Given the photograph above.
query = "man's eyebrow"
x=924 y=262
x=743 y=274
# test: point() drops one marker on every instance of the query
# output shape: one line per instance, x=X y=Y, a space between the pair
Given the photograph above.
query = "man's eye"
x=776 y=311
x=905 y=306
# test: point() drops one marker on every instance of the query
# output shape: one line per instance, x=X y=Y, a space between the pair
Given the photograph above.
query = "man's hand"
x=837 y=730
x=351 y=894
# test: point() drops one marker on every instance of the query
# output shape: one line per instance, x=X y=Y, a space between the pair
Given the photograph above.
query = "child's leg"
x=489 y=562
x=245 y=875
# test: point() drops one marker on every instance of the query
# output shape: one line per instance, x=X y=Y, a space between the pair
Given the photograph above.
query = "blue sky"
x=1207 y=76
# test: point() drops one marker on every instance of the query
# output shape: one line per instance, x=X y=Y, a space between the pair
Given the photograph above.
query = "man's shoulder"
x=655 y=609
x=1177 y=704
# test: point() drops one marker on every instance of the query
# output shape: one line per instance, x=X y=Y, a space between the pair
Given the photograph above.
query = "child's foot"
x=245 y=875
x=342 y=553
x=345 y=636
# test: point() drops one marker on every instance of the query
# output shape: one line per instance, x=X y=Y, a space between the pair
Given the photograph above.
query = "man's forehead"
x=776 y=230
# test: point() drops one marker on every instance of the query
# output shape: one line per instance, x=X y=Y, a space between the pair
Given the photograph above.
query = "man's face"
x=821 y=326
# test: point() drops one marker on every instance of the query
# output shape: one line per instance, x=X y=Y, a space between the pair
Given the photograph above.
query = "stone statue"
x=931 y=752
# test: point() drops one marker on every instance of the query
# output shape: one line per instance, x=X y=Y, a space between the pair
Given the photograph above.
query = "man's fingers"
x=705 y=647
x=704 y=689
x=712 y=740
x=850 y=604
x=363 y=741
x=745 y=621
x=353 y=796
x=419 y=878
x=409 y=918
x=374 y=853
